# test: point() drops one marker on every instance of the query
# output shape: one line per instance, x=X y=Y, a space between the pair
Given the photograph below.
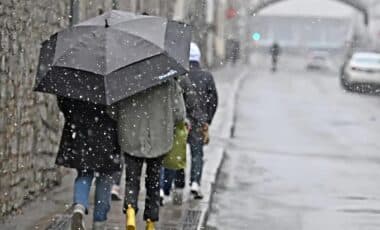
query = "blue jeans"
x=196 y=149
x=167 y=178
x=103 y=185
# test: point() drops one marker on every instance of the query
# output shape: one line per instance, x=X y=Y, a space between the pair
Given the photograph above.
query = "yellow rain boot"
x=131 y=218
x=150 y=225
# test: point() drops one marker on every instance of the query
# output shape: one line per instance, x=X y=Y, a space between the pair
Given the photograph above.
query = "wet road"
x=306 y=155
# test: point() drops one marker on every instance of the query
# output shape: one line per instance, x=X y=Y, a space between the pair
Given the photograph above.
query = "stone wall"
x=164 y=8
x=29 y=122
x=91 y=8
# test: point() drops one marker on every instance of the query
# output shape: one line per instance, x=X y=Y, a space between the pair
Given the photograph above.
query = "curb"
x=226 y=133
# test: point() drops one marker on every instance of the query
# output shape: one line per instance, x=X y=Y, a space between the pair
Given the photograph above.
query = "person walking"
x=146 y=123
x=195 y=117
x=115 y=189
x=206 y=93
x=89 y=145
x=275 y=51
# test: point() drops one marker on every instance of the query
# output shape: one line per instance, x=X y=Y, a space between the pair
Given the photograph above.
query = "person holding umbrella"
x=146 y=123
x=89 y=145
x=129 y=61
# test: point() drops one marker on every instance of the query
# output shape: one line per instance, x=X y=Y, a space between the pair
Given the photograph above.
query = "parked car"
x=317 y=60
x=362 y=68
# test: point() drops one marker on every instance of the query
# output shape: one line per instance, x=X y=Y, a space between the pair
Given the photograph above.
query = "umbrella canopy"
x=113 y=56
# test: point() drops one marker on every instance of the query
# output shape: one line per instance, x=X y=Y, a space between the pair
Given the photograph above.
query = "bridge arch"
x=357 y=4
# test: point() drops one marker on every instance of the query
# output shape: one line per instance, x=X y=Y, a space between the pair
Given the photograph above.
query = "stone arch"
x=357 y=4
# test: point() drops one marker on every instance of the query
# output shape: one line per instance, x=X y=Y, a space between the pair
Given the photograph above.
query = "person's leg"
x=162 y=177
x=179 y=186
x=196 y=148
x=116 y=176
x=115 y=191
x=152 y=185
x=132 y=167
x=179 y=179
x=82 y=187
x=102 y=197
x=169 y=176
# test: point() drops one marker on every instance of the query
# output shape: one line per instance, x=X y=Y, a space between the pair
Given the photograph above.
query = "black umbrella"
x=113 y=56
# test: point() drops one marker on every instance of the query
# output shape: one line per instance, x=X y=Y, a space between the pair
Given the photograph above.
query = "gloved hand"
x=205 y=134
x=188 y=125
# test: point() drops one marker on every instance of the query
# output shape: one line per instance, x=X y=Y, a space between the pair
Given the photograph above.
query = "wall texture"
x=29 y=122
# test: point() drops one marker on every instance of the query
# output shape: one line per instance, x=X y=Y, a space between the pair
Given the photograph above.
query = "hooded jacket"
x=146 y=121
x=205 y=91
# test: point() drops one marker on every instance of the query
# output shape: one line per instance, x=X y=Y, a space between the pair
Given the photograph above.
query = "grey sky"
x=322 y=8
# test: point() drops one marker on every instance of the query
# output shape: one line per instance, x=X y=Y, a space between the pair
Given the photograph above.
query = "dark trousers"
x=196 y=149
x=133 y=166
x=116 y=176
x=167 y=178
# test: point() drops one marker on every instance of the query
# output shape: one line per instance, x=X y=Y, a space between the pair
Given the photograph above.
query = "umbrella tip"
x=106 y=25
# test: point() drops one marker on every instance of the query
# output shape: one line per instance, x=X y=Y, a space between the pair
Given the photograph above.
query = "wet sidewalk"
x=52 y=210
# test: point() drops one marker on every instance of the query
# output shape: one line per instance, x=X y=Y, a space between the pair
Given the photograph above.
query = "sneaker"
x=115 y=193
x=196 y=191
x=99 y=225
x=77 y=220
x=177 y=196
x=164 y=199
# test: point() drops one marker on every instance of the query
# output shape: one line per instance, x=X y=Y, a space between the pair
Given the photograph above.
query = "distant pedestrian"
x=275 y=52
x=89 y=145
x=146 y=123
x=206 y=92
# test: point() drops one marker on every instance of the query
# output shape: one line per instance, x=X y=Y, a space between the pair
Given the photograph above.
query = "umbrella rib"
x=143 y=39
x=59 y=34
x=75 y=45
x=136 y=20
x=105 y=90
x=77 y=41
x=136 y=36
x=171 y=58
